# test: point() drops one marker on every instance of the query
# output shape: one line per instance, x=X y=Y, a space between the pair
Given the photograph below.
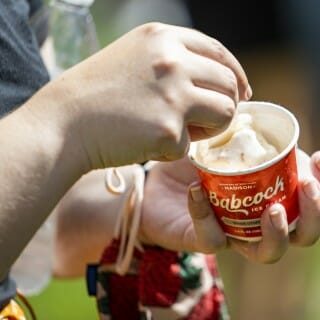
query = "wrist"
x=50 y=121
x=85 y=118
x=37 y=169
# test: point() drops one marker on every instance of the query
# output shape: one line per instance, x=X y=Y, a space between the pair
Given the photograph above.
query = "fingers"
x=215 y=90
x=275 y=238
x=274 y=241
x=315 y=164
x=216 y=77
x=304 y=164
x=219 y=82
x=208 y=235
x=308 y=226
x=212 y=111
x=208 y=47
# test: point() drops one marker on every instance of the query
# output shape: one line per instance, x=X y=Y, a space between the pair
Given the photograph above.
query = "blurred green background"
x=64 y=299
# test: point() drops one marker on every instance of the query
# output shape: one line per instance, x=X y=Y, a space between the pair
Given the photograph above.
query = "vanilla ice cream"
x=240 y=147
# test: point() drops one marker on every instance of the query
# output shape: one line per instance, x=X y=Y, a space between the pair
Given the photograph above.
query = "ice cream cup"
x=239 y=198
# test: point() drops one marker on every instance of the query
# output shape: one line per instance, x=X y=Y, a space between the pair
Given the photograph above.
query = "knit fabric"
x=160 y=284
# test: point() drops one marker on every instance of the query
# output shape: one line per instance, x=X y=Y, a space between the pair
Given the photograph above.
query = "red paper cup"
x=239 y=198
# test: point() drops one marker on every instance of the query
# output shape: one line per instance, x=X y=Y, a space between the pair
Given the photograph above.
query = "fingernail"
x=197 y=193
x=277 y=219
x=311 y=189
x=249 y=92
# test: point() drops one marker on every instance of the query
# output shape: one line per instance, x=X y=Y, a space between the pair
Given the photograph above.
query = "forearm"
x=37 y=168
x=133 y=101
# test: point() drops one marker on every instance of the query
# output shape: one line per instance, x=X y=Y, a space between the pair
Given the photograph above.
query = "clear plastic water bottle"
x=72 y=38
x=72 y=33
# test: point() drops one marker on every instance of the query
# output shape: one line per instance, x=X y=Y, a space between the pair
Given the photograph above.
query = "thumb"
x=208 y=233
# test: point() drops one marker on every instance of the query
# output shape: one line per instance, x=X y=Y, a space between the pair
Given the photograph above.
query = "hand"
x=143 y=97
x=308 y=226
x=87 y=215
x=165 y=218
x=307 y=231
x=166 y=221
x=146 y=95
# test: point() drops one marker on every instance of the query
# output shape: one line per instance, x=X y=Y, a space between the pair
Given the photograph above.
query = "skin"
x=143 y=97
x=307 y=232
x=174 y=204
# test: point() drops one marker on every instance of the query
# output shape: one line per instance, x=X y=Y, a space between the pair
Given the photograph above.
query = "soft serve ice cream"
x=240 y=147
x=250 y=166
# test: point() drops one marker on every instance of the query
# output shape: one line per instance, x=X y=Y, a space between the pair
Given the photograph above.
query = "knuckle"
x=219 y=50
x=171 y=98
x=152 y=28
x=207 y=248
x=226 y=114
x=229 y=109
x=165 y=64
x=168 y=131
x=170 y=137
x=232 y=83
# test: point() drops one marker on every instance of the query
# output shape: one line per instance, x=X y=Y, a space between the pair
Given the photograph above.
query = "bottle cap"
x=86 y=3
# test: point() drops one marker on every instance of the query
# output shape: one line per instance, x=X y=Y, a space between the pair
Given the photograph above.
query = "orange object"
x=238 y=201
x=12 y=312
x=239 y=197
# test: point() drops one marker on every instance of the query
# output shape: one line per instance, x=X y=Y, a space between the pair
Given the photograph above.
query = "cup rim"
x=264 y=165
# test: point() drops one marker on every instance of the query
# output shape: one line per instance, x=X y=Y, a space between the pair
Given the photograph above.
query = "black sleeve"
x=22 y=71
x=7 y=291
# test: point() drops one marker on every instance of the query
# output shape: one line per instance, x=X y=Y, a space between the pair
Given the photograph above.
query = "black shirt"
x=22 y=71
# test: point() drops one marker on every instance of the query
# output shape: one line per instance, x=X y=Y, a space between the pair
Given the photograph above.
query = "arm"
x=143 y=97
x=36 y=170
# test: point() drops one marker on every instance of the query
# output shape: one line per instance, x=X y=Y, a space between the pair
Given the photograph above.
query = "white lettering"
x=268 y=193
x=245 y=201
x=213 y=199
x=236 y=204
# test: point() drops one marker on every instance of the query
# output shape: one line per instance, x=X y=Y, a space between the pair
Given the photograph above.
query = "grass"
x=65 y=299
